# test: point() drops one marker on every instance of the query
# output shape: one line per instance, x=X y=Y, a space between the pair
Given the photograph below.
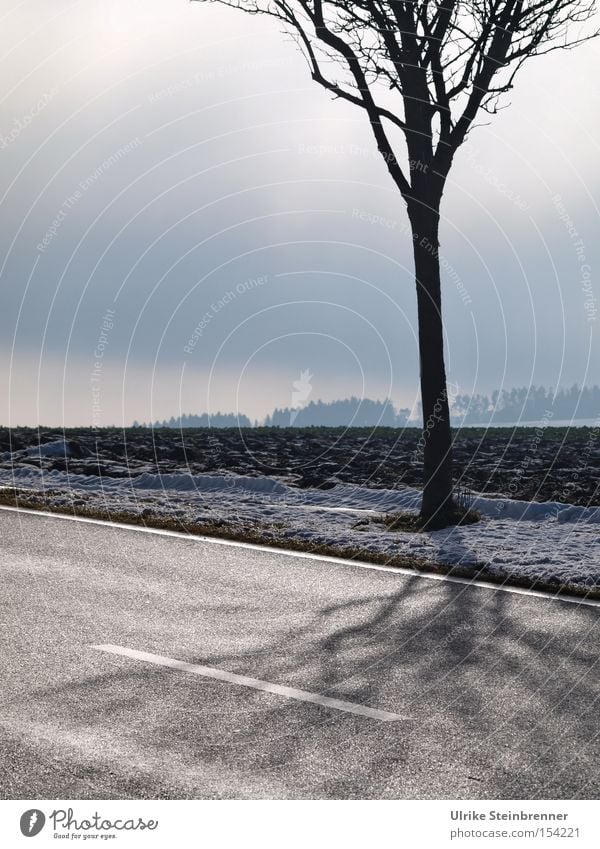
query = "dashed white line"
x=254 y=683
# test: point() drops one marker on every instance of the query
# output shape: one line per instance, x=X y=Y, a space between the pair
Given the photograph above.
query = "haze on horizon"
x=190 y=224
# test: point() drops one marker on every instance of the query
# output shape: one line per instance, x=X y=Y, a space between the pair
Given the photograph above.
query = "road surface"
x=141 y=665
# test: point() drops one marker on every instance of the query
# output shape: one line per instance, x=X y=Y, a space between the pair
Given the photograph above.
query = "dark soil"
x=554 y=464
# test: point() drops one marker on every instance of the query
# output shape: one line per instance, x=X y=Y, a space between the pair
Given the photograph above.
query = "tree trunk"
x=435 y=445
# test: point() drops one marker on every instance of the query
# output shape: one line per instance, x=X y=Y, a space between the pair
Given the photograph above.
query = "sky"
x=190 y=224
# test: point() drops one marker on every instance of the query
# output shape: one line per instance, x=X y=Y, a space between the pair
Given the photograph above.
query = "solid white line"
x=305 y=555
x=254 y=683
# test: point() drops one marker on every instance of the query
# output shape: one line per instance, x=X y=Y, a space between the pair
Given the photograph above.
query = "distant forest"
x=203 y=420
x=524 y=404
x=528 y=404
x=351 y=411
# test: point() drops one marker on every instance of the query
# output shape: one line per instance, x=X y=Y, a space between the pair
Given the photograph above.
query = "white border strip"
x=254 y=683
x=305 y=555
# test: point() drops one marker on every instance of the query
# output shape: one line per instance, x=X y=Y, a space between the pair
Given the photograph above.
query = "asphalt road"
x=496 y=693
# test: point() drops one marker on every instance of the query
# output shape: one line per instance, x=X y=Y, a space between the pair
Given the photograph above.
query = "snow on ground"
x=58 y=448
x=554 y=542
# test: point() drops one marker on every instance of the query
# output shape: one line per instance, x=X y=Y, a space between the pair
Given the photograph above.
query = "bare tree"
x=422 y=71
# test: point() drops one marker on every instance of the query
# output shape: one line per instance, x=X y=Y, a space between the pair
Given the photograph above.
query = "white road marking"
x=254 y=683
x=305 y=555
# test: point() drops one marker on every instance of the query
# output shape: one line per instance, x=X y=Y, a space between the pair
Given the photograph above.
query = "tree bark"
x=435 y=445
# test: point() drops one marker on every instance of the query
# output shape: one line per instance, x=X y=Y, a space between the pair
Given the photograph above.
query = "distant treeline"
x=535 y=403
x=351 y=411
x=203 y=420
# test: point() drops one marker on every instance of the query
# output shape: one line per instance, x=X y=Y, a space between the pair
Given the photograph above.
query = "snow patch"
x=57 y=448
x=548 y=541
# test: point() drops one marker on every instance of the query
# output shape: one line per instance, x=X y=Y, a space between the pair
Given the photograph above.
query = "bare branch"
x=426 y=67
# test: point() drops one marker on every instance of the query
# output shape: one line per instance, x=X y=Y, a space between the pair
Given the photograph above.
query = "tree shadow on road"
x=497 y=703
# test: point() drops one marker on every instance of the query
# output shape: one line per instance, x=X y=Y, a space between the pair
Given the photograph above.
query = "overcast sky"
x=189 y=223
